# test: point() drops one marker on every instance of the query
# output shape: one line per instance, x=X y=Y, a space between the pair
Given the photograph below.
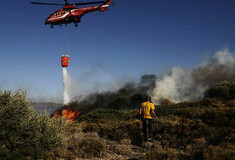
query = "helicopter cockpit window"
x=58 y=14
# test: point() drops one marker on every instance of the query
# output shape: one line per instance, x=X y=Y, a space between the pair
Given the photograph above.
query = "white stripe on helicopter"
x=63 y=15
x=70 y=12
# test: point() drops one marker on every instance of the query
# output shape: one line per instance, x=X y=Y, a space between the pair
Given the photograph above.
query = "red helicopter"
x=71 y=14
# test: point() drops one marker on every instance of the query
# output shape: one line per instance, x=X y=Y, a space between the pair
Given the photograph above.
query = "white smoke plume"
x=66 y=83
x=188 y=85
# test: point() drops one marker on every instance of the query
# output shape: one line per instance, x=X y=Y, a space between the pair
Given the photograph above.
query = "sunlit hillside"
x=203 y=129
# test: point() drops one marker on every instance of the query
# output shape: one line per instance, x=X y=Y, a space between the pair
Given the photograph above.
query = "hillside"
x=183 y=131
x=203 y=129
x=188 y=130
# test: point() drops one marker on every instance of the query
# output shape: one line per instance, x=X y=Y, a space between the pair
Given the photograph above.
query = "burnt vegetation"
x=203 y=129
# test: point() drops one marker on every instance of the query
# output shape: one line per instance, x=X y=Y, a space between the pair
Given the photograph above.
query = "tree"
x=24 y=132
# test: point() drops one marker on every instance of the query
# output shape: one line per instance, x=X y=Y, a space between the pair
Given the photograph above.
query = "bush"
x=231 y=103
x=103 y=115
x=88 y=148
x=113 y=130
x=165 y=155
x=203 y=152
x=119 y=149
x=223 y=91
x=133 y=115
x=60 y=153
x=23 y=132
x=219 y=118
x=117 y=130
x=91 y=127
x=211 y=102
x=164 y=110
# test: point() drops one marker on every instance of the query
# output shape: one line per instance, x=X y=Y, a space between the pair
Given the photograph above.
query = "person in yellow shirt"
x=145 y=111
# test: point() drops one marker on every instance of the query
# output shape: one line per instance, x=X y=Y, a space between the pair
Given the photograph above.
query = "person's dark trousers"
x=147 y=129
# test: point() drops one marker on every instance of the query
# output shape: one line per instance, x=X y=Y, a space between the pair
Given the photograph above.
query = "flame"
x=67 y=114
x=57 y=114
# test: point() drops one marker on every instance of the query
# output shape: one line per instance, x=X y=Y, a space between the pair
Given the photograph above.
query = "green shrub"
x=164 y=110
x=61 y=153
x=204 y=152
x=221 y=153
x=134 y=130
x=103 y=115
x=113 y=130
x=187 y=112
x=231 y=103
x=119 y=149
x=223 y=91
x=211 y=102
x=133 y=115
x=91 y=148
x=117 y=130
x=91 y=127
x=165 y=155
x=23 y=132
x=219 y=118
x=88 y=148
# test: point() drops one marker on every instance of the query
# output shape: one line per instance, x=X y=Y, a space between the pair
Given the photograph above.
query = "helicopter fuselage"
x=72 y=14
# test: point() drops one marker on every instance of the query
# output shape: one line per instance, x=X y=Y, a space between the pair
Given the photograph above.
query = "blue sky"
x=136 y=37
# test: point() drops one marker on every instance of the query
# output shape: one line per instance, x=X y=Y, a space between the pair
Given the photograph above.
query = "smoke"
x=96 y=79
x=188 y=85
x=66 y=83
x=129 y=96
x=178 y=85
x=221 y=67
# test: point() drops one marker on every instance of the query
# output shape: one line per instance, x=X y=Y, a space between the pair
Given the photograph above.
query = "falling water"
x=66 y=83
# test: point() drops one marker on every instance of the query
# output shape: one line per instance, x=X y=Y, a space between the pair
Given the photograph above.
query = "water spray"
x=66 y=80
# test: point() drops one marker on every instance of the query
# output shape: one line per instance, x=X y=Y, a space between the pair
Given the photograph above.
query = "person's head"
x=148 y=98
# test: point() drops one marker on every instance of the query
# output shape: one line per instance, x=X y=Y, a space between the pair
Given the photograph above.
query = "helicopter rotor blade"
x=46 y=3
x=97 y=2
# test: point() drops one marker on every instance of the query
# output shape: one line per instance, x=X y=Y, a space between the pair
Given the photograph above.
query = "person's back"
x=145 y=111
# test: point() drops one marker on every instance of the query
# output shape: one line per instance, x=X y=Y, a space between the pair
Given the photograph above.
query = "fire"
x=57 y=114
x=67 y=114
